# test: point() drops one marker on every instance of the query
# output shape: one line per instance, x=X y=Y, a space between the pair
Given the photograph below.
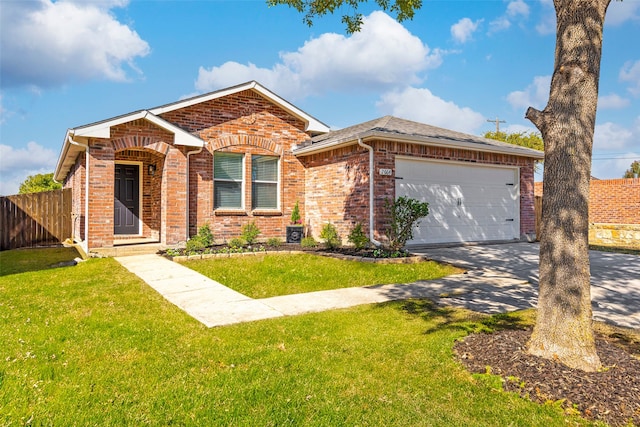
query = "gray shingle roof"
x=394 y=128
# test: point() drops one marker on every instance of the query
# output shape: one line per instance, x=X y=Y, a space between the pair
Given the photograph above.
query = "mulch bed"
x=612 y=395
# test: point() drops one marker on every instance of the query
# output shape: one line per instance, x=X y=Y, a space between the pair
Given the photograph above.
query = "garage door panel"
x=466 y=202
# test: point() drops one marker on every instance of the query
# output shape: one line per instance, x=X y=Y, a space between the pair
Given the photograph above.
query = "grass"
x=616 y=249
x=94 y=345
x=263 y=276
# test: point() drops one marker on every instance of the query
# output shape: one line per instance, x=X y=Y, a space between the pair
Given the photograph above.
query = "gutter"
x=371 y=193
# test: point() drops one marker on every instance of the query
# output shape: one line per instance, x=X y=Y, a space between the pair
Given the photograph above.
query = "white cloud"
x=501 y=23
x=18 y=163
x=382 y=55
x=630 y=72
x=47 y=43
x=462 y=31
x=612 y=102
x=515 y=9
x=518 y=8
x=620 y=12
x=535 y=95
x=423 y=106
x=547 y=23
x=615 y=148
x=613 y=137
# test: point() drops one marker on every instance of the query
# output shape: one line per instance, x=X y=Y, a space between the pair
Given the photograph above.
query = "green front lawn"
x=94 y=345
x=263 y=276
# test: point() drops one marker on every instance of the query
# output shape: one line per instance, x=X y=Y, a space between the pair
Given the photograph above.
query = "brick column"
x=174 y=198
x=101 y=182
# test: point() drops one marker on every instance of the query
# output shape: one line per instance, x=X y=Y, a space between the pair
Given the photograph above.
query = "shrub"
x=404 y=214
x=330 y=236
x=295 y=215
x=358 y=237
x=205 y=235
x=274 y=242
x=308 y=242
x=237 y=243
x=194 y=245
x=250 y=232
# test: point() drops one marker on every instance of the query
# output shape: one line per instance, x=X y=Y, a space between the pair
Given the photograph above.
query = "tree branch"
x=536 y=117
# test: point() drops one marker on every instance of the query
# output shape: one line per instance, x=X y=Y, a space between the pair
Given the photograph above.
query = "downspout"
x=371 y=192
x=84 y=245
x=189 y=153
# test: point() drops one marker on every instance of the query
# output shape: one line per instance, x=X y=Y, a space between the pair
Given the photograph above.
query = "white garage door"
x=467 y=203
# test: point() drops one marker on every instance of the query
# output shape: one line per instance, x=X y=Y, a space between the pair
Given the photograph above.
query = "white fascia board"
x=313 y=125
x=103 y=129
x=180 y=136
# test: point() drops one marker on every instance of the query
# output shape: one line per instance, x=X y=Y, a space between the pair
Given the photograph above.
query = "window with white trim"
x=228 y=176
x=264 y=182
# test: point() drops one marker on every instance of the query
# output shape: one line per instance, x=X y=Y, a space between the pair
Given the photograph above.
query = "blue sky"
x=457 y=64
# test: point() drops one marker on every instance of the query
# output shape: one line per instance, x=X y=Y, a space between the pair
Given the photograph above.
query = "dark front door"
x=127 y=199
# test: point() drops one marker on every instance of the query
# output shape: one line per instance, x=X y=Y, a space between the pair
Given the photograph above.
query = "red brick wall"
x=242 y=123
x=612 y=201
x=101 y=179
x=615 y=201
x=337 y=188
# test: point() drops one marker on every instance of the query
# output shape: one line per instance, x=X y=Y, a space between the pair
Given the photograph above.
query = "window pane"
x=227 y=166
x=264 y=168
x=264 y=195
x=227 y=194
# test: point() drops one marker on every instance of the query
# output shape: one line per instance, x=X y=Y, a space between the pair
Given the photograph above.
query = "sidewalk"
x=214 y=304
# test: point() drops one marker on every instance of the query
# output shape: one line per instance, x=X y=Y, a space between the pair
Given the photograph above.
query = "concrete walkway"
x=489 y=287
x=214 y=304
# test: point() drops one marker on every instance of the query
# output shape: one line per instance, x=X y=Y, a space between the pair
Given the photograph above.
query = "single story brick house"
x=244 y=154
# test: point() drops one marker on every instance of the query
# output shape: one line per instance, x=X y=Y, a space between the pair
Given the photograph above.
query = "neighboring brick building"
x=244 y=154
x=614 y=211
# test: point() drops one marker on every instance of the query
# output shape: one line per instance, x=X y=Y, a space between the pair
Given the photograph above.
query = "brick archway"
x=256 y=141
x=135 y=142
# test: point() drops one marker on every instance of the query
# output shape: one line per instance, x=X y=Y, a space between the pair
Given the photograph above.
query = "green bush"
x=194 y=245
x=274 y=242
x=250 y=232
x=358 y=237
x=404 y=214
x=205 y=235
x=330 y=236
x=308 y=242
x=295 y=215
x=237 y=243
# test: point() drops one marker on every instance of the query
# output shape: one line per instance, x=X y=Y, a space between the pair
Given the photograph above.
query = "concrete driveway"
x=615 y=278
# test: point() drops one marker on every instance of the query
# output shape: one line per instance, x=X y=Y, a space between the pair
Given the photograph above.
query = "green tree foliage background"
x=39 y=183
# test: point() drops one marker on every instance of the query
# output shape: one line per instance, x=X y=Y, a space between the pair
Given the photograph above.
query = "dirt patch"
x=612 y=395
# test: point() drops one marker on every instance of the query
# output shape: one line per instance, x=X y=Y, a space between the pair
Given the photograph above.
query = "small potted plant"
x=295 y=231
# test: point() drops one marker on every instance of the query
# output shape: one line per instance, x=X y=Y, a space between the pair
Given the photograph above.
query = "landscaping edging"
x=399 y=260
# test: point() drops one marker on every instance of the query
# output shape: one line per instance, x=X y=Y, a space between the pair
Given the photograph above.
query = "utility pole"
x=497 y=122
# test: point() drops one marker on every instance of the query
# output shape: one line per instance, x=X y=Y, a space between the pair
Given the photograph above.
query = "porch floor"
x=130 y=247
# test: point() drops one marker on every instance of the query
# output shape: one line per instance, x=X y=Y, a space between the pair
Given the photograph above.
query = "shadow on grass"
x=457 y=319
x=18 y=261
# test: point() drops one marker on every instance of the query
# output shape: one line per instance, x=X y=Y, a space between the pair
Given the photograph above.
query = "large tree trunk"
x=563 y=329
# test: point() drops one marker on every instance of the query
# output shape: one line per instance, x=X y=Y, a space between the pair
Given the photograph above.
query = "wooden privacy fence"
x=35 y=219
x=538 y=208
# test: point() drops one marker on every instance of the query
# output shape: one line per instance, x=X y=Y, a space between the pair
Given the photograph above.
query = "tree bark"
x=563 y=329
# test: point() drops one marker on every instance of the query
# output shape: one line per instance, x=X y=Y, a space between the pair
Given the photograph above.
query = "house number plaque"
x=386 y=172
